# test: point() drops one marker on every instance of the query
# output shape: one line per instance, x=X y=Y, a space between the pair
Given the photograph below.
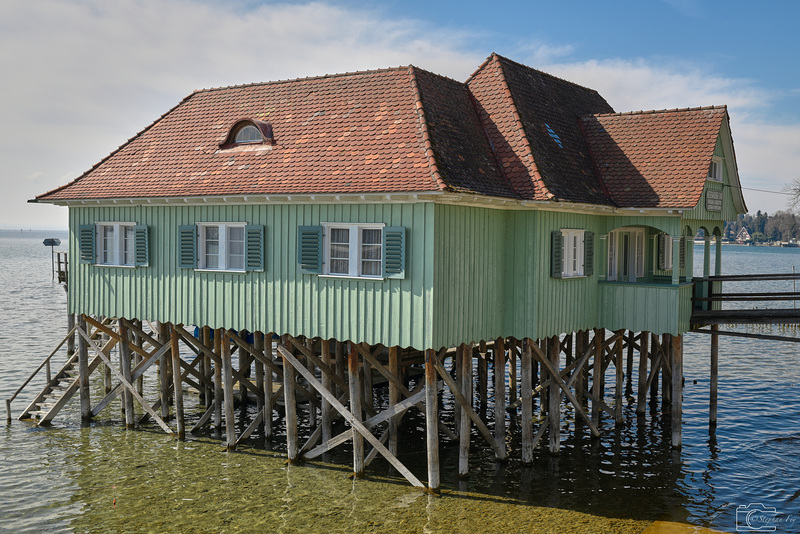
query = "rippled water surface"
x=102 y=478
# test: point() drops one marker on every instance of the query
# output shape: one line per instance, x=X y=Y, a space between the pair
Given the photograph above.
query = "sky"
x=78 y=78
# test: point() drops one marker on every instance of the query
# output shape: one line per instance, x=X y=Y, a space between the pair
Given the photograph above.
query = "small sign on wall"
x=713 y=200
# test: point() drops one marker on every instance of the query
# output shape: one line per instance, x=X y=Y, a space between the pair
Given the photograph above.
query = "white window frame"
x=636 y=252
x=355 y=250
x=224 y=253
x=572 y=260
x=715 y=169
x=113 y=250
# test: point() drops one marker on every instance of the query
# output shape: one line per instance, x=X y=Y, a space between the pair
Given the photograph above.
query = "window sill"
x=115 y=265
x=344 y=277
x=234 y=271
x=572 y=277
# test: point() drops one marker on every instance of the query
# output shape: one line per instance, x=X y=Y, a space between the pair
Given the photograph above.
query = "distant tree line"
x=762 y=227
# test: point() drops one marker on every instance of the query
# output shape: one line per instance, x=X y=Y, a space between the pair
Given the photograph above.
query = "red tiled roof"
x=509 y=131
x=655 y=159
x=518 y=104
x=347 y=133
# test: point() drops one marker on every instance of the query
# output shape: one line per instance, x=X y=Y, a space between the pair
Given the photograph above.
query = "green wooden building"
x=400 y=208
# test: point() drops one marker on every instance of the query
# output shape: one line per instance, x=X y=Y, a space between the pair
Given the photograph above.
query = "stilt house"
x=404 y=213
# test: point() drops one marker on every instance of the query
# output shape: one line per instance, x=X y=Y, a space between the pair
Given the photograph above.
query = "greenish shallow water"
x=102 y=478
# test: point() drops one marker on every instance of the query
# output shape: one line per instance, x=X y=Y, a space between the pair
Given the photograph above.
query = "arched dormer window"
x=248 y=132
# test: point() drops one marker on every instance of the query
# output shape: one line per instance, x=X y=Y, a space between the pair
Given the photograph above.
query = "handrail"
x=36 y=372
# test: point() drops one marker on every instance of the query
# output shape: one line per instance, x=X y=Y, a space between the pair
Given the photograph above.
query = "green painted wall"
x=471 y=274
x=280 y=299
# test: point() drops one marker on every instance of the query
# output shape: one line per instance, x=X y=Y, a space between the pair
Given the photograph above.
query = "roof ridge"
x=655 y=111
x=547 y=74
x=427 y=146
x=300 y=79
x=536 y=176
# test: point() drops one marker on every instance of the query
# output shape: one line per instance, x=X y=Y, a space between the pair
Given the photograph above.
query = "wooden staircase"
x=57 y=393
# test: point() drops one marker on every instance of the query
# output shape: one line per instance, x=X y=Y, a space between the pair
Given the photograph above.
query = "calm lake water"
x=102 y=478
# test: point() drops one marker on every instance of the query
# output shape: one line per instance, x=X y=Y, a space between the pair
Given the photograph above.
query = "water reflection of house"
x=400 y=208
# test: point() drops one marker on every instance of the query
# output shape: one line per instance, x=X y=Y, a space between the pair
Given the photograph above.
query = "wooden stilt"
x=714 y=378
x=325 y=353
x=290 y=403
x=368 y=395
x=641 y=401
x=483 y=378
x=177 y=388
x=629 y=366
x=227 y=380
x=313 y=405
x=431 y=420
x=458 y=367
x=544 y=377
x=677 y=389
x=554 y=399
x=354 y=385
x=464 y=422
x=137 y=358
x=125 y=365
x=620 y=376
x=341 y=364
x=219 y=396
x=666 y=371
x=527 y=402
x=205 y=362
x=258 y=365
x=394 y=398
x=655 y=368
x=83 y=372
x=269 y=402
x=512 y=370
x=499 y=391
x=597 y=374
x=163 y=370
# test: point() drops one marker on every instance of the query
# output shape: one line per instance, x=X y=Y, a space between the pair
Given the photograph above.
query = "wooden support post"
x=137 y=358
x=620 y=376
x=499 y=391
x=527 y=402
x=714 y=378
x=177 y=388
x=125 y=364
x=354 y=384
x=394 y=398
x=554 y=398
x=258 y=343
x=655 y=369
x=597 y=374
x=325 y=350
x=432 y=420
x=219 y=396
x=290 y=403
x=229 y=401
x=666 y=371
x=205 y=370
x=341 y=364
x=458 y=367
x=629 y=366
x=83 y=372
x=368 y=394
x=313 y=405
x=71 y=339
x=163 y=336
x=483 y=378
x=641 y=401
x=544 y=377
x=512 y=370
x=464 y=422
x=677 y=389
x=269 y=403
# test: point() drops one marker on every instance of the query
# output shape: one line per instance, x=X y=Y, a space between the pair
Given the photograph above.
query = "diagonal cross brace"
x=349 y=417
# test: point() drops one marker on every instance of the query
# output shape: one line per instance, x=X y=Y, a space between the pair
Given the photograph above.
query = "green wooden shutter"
x=394 y=252
x=556 y=254
x=187 y=246
x=141 y=245
x=254 y=243
x=682 y=261
x=86 y=243
x=662 y=253
x=588 y=253
x=309 y=249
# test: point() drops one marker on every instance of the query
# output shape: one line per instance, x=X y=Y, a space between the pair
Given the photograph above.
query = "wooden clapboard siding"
x=661 y=309
x=472 y=250
x=280 y=299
